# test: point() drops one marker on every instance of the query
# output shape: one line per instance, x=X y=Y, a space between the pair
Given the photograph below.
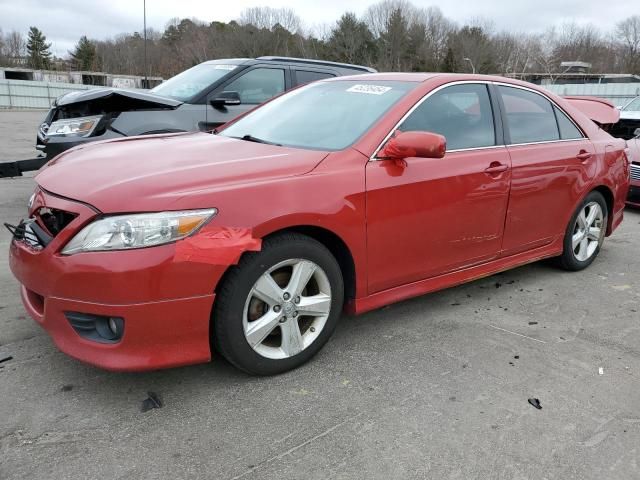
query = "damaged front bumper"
x=161 y=296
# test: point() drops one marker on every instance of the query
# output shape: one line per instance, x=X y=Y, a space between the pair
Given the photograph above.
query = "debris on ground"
x=516 y=357
x=533 y=323
x=6 y=359
x=151 y=402
x=535 y=403
x=600 y=371
x=67 y=388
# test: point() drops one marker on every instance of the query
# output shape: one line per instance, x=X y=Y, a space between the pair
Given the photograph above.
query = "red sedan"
x=346 y=194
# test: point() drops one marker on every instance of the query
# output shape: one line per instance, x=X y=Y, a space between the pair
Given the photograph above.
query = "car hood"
x=167 y=172
x=139 y=99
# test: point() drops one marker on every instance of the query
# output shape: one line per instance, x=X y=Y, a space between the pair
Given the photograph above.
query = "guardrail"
x=37 y=95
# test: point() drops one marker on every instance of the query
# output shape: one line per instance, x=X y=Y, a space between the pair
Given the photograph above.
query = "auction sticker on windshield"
x=371 y=89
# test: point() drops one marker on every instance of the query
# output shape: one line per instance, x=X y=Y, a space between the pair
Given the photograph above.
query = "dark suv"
x=200 y=98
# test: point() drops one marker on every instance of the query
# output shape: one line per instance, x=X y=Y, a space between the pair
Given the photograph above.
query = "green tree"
x=449 y=63
x=38 y=51
x=84 y=55
x=351 y=41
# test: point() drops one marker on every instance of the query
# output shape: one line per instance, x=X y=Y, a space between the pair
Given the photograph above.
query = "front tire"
x=278 y=307
x=585 y=233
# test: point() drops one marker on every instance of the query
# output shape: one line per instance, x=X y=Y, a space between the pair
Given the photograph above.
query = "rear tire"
x=585 y=233
x=278 y=307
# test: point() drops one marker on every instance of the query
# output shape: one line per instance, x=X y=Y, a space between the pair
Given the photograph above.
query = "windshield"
x=191 y=82
x=633 y=105
x=322 y=116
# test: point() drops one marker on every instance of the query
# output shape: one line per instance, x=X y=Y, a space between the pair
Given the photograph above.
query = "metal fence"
x=30 y=94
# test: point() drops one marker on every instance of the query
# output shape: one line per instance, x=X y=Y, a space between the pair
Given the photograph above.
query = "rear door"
x=431 y=216
x=552 y=162
x=255 y=85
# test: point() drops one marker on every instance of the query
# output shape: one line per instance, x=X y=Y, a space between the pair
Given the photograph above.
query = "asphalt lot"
x=434 y=387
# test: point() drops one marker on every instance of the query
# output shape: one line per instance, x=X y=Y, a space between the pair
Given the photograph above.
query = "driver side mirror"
x=636 y=132
x=413 y=144
x=226 y=98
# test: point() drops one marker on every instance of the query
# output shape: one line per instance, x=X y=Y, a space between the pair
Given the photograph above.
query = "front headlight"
x=124 y=232
x=74 y=127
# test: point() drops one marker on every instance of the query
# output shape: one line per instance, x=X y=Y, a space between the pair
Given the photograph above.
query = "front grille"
x=635 y=171
x=53 y=220
x=634 y=195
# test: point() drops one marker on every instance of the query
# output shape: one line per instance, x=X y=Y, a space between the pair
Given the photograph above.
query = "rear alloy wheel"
x=586 y=233
x=279 y=306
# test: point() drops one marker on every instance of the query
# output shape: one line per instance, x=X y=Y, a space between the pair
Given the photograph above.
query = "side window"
x=258 y=85
x=530 y=116
x=462 y=113
x=568 y=131
x=302 y=76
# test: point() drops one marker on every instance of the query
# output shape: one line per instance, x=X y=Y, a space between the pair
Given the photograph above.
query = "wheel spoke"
x=594 y=234
x=582 y=220
x=267 y=290
x=575 y=240
x=291 y=337
x=300 y=276
x=315 y=305
x=593 y=214
x=258 y=330
x=583 y=249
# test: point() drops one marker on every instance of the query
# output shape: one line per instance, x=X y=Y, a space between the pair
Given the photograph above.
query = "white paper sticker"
x=224 y=67
x=370 y=89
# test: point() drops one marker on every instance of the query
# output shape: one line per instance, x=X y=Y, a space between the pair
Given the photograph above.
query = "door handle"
x=583 y=156
x=496 y=167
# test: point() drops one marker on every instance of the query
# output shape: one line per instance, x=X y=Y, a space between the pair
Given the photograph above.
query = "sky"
x=65 y=21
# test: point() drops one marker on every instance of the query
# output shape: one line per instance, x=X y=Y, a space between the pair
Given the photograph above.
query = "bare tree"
x=628 y=33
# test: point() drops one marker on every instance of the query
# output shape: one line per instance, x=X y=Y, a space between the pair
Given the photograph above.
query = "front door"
x=432 y=216
x=255 y=86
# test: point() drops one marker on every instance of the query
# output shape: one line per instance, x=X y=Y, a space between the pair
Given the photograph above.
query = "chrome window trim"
x=373 y=157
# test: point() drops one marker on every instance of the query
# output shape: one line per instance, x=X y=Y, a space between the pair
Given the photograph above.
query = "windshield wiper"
x=251 y=138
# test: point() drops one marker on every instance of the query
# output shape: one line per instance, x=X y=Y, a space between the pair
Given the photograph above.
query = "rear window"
x=568 y=131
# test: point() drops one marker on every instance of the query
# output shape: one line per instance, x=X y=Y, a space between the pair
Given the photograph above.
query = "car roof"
x=424 y=76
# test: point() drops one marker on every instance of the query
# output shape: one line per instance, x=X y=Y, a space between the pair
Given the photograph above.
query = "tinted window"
x=258 y=85
x=303 y=76
x=462 y=113
x=568 y=131
x=530 y=116
x=324 y=116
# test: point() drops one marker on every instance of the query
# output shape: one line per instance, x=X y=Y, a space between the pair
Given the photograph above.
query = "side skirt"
x=403 y=292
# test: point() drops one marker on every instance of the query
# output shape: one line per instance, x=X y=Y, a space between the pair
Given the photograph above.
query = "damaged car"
x=161 y=251
x=629 y=120
x=198 y=99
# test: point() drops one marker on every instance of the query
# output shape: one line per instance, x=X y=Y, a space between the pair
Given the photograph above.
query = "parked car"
x=633 y=199
x=629 y=120
x=201 y=98
x=349 y=193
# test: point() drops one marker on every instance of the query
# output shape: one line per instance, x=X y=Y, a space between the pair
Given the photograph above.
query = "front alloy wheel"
x=279 y=306
x=287 y=308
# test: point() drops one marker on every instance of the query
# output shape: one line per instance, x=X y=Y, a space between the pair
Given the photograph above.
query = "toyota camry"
x=343 y=195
